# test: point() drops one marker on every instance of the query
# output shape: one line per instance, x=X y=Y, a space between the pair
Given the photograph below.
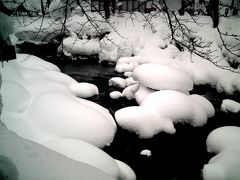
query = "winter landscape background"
x=120 y=90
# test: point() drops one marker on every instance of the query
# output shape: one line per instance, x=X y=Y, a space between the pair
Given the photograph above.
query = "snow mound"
x=115 y=94
x=84 y=152
x=14 y=102
x=146 y=152
x=225 y=165
x=205 y=103
x=141 y=93
x=229 y=105
x=159 y=110
x=117 y=82
x=129 y=92
x=84 y=90
x=75 y=46
x=162 y=77
x=125 y=172
x=48 y=107
x=25 y=160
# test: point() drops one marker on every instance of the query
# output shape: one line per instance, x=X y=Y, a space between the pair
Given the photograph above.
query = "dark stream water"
x=174 y=157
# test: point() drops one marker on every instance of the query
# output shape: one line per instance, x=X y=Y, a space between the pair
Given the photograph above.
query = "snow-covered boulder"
x=25 y=160
x=115 y=94
x=117 y=82
x=81 y=151
x=84 y=90
x=160 y=110
x=231 y=106
x=162 y=77
x=48 y=107
x=225 y=141
x=75 y=46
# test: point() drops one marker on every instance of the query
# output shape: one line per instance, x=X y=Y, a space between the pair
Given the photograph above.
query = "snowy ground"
x=53 y=112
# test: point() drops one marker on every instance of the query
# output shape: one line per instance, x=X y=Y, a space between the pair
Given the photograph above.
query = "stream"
x=174 y=157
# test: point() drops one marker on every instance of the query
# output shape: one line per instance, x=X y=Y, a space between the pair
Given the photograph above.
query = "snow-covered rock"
x=225 y=141
x=115 y=94
x=231 y=106
x=146 y=152
x=84 y=90
x=159 y=110
x=129 y=92
x=48 y=107
x=117 y=82
x=162 y=77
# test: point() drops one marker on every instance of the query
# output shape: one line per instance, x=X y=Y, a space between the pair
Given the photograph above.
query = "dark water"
x=174 y=157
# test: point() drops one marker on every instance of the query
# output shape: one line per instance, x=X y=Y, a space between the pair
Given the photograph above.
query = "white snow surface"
x=162 y=77
x=146 y=152
x=84 y=152
x=117 y=82
x=230 y=106
x=115 y=94
x=84 y=90
x=225 y=141
x=48 y=106
x=74 y=46
x=159 y=111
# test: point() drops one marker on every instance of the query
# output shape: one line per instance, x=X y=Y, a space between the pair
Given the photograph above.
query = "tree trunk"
x=42 y=8
x=215 y=12
x=107 y=8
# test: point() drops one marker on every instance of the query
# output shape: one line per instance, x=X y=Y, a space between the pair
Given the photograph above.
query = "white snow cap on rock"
x=146 y=152
x=231 y=106
x=159 y=110
x=84 y=152
x=226 y=164
x=162 y=77
x=48 y=106
x=115 y=94
x=84 y=90
x=117 y=82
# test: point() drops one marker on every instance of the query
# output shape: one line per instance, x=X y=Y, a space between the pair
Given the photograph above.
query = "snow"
x=225 y=165
x=125 y=172
x=146 y=152
x=84 y=90
x=141 y=93
x=74 y=46
x=117 y=82
x=84 y=152
x=162 y=77
x=159 y=111
x=129 y=92
x=25 y=160
x=115 y=94
x=49 y=107
x=230 y=106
